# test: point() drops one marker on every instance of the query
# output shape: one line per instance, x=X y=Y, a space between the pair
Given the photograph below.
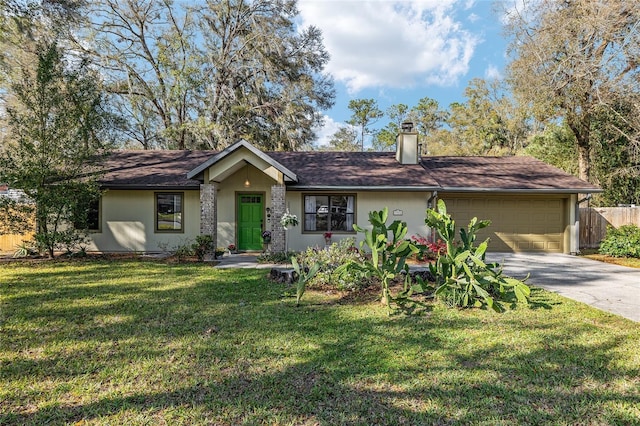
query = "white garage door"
x=517 y=223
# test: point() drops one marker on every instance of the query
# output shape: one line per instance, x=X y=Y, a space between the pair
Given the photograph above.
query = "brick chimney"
x=407 y=144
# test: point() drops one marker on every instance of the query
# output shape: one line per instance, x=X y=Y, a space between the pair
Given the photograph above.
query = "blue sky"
x=401 y=51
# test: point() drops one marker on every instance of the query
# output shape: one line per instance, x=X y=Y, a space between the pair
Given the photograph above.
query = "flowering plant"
x=266 y=234
x=232 y=247
x=327 y=234
x=288 y=219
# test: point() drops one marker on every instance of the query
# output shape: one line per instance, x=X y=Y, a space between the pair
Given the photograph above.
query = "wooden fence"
x=9 y=243
x=594 y=222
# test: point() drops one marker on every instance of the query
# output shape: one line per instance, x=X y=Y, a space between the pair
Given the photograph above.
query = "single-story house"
x=159 y=199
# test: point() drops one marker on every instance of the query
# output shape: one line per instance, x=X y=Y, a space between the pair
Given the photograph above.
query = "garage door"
x=517 y=223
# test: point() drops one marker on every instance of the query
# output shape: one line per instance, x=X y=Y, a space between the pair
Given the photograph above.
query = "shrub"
x=202 y=246
x=463 y=277
x=622 y=242
x=337 y=254
x=428 y=250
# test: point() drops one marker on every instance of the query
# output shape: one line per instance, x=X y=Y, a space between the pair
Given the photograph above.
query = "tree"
x=615 y=165
x=555 y=146
x=365 y=112
x=155 y=69
x=268 y=83
x=385 y=139
x=24 y=26
x=55 y=135
x=344 y=139
x=427 y=118
x=572 y=57
x=208 y=75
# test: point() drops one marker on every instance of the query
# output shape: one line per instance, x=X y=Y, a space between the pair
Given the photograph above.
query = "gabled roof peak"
x=288 y=174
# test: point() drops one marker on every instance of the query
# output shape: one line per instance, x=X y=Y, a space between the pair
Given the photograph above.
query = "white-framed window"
x=329 y=213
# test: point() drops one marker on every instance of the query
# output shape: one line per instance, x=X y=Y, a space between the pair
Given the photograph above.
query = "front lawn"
x=136 y=342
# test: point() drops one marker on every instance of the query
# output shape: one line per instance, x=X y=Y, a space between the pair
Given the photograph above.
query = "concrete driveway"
x=608 y=287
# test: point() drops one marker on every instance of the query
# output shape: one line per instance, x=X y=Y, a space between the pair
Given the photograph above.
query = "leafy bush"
x=202 y=246
x=622 y=242
x=68 y=240
x=463 y=277
x=338 y=253
x=25 y=249
x=428 y=250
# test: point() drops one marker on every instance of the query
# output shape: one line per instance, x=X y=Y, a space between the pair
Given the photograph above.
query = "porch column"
x=278 y=207
x=209 y=211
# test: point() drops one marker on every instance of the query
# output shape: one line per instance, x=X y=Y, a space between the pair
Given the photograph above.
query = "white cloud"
x=327 y=130
x=492 y=73
x=396 y=44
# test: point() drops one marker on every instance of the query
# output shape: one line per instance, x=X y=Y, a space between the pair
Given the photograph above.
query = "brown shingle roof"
x=353 y=169
x=152 y=169
x=375 y=170
x=501 y=173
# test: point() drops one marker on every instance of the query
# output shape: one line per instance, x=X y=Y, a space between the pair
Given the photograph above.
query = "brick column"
x=209 y=211
x=278 y=207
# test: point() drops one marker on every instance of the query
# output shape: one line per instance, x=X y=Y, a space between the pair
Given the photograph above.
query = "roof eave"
x=188 y=187
x=524 y=190
x=381 y=188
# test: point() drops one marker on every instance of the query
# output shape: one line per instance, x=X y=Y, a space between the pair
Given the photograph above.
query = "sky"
x=401 y=51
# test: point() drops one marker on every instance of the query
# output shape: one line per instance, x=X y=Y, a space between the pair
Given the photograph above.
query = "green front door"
x=250 y=222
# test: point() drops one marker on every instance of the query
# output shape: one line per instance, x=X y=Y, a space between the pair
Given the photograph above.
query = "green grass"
x=134 y=342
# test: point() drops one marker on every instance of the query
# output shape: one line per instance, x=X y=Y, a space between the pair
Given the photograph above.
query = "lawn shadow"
x=226 y=348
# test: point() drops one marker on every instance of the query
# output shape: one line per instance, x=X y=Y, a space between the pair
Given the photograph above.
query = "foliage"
x=364 y=113
x=616 y=160
x=621 y=242
x=183 y=251
x=427 y=249
x=463 y=277
x=304 y=274
x=556 y=146
x=388 y=255
x=344 y=139
x=385 y=139
x=25 y=249
x=58 y=130
x=332 y=257
x=488 y=123
x=253 y=74
x=287 y=220
x=16 y=217
x=571 y=58
x=202 y=246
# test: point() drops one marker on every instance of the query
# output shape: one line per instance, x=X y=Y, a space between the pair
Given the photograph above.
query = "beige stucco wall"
x=127 y=222
x=411 y=208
